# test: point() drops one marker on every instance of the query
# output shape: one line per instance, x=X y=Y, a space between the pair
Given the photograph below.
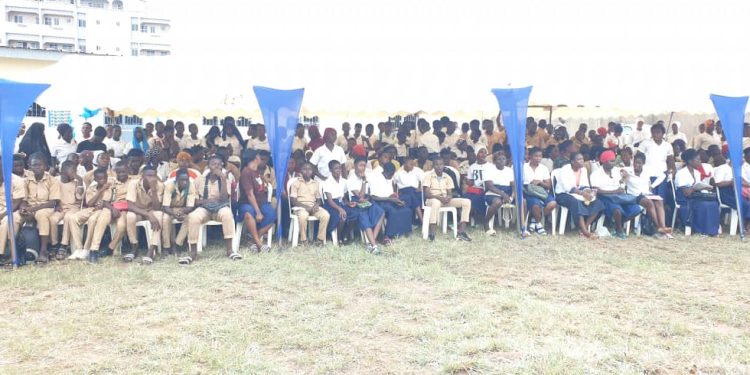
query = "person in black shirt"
x=95 y=143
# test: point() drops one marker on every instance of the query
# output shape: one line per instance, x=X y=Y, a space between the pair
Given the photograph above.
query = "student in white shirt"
x=723 y=181
x=534 y=173
x=116 y=144
x=575 y=193
x=260 y=142
x=371 y=216
x=675 y=134
x=427 y=139
x=638 y=183
x=609 y=182
x=702 y=215
x=397 y=215
x=325 y=153
x=64 y=145
x=498 y=188
x=189 y=141
x=659 y=159
x=341 y=210
x=638 y=135
x=475 y=181
x=408 y=180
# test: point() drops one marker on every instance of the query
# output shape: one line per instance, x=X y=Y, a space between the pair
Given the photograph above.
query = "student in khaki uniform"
x=71 y=195
x=102 y=161
x=179 y=199
x=305 y=198
x=438 y=192
x=213 y=204
x=98 y=199
x=18 y=194
x=144 y=203
x=119 y=203
x=42 y=195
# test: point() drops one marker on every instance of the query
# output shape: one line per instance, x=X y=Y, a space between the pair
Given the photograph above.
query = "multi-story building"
x=101 y=27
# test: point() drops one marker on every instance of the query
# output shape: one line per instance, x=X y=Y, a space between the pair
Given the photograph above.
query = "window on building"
x=18 y=19
x=153 y=30
x=134 y=52
x=117 y=5
x=117 y=49
x=144 y=28
x=134 y=27
x=98 y=48
x=47 y=20
x=81 y=23
x=56 y=21
x=98 y=22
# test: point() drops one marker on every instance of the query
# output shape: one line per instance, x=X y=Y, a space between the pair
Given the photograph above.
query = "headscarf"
x=601 y=131
x=315 y=139
x=152 y=154
x=679 y=125
x=143 y=145
x=359 y=150
x=607 y=156
x=328 y=132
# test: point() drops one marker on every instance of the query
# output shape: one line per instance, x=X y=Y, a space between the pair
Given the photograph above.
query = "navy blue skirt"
x=702 y=216
x=398 y=219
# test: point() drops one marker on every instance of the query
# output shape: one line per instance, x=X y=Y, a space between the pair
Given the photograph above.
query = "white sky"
x=661 y=55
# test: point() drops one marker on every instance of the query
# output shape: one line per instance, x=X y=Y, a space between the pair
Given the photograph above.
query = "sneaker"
x=431 y=237
x=79 y=255
x=620 y=235
x=462 y=236
x=491 y=232
x=93 y=256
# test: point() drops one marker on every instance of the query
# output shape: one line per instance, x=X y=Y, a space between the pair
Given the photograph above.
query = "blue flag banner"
x=731 y=111
x=15 y=100
x=280 y=110
x=514 y=103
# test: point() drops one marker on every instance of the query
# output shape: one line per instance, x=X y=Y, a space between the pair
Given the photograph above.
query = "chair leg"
x=444 y=217
x=237 y=236
x=455 y=223
x=734 y=222
x=199 y=245
x=563 y=220
x=554 y=221
x=425 y=222
x=269 y=235
x=688 y=230
x=204 y=232
x=294 y=232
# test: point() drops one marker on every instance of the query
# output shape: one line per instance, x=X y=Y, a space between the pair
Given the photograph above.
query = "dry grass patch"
x=543 y=305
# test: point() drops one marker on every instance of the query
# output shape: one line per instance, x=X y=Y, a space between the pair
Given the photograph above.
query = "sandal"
x=387 y=242
x=128 y=257
x=61 y=254
x=265 y=249
x=541 y=231
x=185 y=261
x=147 y=260
x=318 y=243
x=254 y=248
x=42 y=259
x=235 y=256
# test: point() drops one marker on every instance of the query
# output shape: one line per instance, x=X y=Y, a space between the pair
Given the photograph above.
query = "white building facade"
x=101 y=27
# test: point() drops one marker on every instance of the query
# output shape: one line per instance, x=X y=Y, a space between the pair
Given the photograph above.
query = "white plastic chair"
x=203 y=231
x=145 y=224
x=734 y=217
x=564 y=212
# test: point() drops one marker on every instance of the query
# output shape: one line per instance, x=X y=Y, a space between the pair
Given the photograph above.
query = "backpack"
x=648 y=228
x=27 y=244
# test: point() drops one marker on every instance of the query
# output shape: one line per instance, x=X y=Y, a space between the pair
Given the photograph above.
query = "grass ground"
x=500 y=305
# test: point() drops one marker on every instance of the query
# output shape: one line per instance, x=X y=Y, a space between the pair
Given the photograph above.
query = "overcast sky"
x=650 y=54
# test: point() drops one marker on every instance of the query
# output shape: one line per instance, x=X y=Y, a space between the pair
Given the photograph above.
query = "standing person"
x=71 y=195
x=144 y=203
x=178 y=202
x=140 y=140
x=17 y=196
x=498 y=187
x=192 y=140
x=64 y=145
x=213 y=204
x=42 y=195
x=324 y=154
x=34 y=142
x=118 y=147
x=343 y=140
x=299 y=142
x=305 y=198
x=397 y=215
x=254 y=208
x=638 y=183
x=491 y=137
x=575 y=193
x=537 y=181
x=179 y=132
x=638 y=135
x=698 y=208
x=86 y=130
x=427 y=138
x=408 y=180
x=438 y=192
x=660 y=161
x=95 y=143
x=316 y=140
x=610 y=184
x=260 y=142
x=230 y=136
x=213 y=139
x=675 y=133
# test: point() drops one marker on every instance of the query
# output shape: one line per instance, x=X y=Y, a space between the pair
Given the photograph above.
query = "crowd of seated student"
x=382 y=183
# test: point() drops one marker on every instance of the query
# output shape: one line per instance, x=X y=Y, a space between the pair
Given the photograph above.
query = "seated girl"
x=609 y=182
x=699 y=208
x=536 y=174
x=498 y=189
x=575 y=193
x=638 y=182
x=397 y=214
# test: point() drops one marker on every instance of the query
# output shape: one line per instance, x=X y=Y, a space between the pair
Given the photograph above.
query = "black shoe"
x=431 y=237
x=462 y=236
x=94 y=256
